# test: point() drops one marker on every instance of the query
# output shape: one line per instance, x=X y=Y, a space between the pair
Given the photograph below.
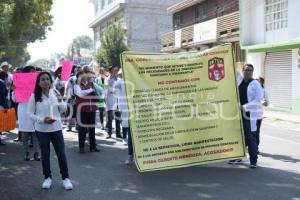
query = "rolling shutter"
x=278 y=78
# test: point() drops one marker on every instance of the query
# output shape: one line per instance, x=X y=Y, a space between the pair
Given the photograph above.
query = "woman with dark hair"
x=45 y=108
x=86 y=98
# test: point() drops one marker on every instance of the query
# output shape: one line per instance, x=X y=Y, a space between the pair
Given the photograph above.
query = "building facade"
x=270 y=33
x=202 y=24
x=143 y=20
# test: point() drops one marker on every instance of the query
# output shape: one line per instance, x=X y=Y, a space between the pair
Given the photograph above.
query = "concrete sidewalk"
x=275 y=115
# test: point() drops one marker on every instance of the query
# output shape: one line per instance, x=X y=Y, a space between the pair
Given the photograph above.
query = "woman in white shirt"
x=44 y=109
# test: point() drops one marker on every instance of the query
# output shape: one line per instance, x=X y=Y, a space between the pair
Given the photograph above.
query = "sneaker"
x=231 y=162
x=36 y=156
x=129 y=161
x=124 y=142
x=252 y=166
x=47 y=183
x=67 y=184
x=95 y=149
x=234 y=161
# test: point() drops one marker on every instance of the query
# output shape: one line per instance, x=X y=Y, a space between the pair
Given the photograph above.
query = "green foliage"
x=22 y=22
x=78 y=43
x=112 y=46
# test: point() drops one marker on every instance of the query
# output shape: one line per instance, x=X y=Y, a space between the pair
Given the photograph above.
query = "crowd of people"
x=83 y=96
x=75 y=102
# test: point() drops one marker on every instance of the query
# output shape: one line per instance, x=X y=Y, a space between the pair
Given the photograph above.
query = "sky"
x=70 y=19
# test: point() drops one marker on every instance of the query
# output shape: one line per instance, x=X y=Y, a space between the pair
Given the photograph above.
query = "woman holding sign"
x=25 y=124
x=45 y=107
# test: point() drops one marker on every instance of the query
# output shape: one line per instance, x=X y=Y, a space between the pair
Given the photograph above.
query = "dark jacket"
x=3 y=95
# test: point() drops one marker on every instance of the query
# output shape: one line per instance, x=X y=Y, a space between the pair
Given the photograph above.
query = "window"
x=177 y=21
x=276 y=14
x=200 y=13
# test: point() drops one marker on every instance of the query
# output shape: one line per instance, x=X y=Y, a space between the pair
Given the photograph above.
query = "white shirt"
x=25 y=123
x=70 y=87
x=82 y=93
x=49 y=107
x=254 y=105
x=112 y=93
x=123 y=105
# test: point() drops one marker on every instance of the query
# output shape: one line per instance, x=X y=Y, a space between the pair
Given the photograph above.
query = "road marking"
x=281 y=139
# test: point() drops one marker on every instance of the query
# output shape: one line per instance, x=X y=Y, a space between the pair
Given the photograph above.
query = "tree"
x=112 y=46
x=81 y=42
x=22 y=22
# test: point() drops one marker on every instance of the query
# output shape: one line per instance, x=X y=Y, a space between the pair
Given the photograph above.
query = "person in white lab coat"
x=265 y=102
x=251 y=95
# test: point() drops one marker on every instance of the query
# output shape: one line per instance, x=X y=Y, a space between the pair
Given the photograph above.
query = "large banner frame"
x=183 y=108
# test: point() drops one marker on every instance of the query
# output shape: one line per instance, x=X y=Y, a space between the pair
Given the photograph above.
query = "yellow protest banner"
x=183 y=108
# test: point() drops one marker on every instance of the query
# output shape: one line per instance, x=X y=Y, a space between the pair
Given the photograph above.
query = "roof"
x=183 y=5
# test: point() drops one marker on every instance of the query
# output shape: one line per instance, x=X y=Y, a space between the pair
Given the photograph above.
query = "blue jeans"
x=126 y=131
x=250 y=139
x=59 y=146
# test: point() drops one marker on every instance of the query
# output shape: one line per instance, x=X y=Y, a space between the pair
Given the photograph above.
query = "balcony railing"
x=226 y=27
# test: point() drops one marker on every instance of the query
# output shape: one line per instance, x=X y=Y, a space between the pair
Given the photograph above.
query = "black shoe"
x=81 y=150
x=36 y=157
x=26 y=157
x=17 y=140
x=253 y=166
x=108 y=137
x=94 y=149
x=69 y=130
x=119 y=136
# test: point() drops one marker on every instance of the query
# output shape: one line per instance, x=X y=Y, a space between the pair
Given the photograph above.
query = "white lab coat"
x=25 y=124
x=112 y=93
x=255 y=97
x=123 y=105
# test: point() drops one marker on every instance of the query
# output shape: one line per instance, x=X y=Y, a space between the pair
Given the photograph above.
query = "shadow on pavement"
x=104 y=176
x=283 y=158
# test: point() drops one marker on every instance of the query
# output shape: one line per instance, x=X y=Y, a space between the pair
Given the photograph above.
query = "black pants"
x=87 y=123
x=101 y=115
x=250 y=138
x=258 y=124
x=114 y=114
x=57 y=140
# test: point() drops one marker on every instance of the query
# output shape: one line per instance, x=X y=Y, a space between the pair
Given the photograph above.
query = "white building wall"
x=296 y=74
x=252 y=22
x=144 y=22
x=258 y=61
x=107 y=7
x=293 y=18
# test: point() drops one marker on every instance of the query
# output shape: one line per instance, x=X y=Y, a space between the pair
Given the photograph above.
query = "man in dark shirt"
x=3 y=95
x=250 y=93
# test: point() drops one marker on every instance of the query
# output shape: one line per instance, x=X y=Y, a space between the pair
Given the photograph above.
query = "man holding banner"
x=251 y=95
x=184 y=108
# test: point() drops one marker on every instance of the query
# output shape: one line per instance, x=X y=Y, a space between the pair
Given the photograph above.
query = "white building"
x=143 y=20
x=270 y=32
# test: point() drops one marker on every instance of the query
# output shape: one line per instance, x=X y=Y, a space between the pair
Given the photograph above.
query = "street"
x=105 y=176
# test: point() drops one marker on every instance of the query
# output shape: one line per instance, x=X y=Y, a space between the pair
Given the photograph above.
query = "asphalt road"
x=104 y=176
